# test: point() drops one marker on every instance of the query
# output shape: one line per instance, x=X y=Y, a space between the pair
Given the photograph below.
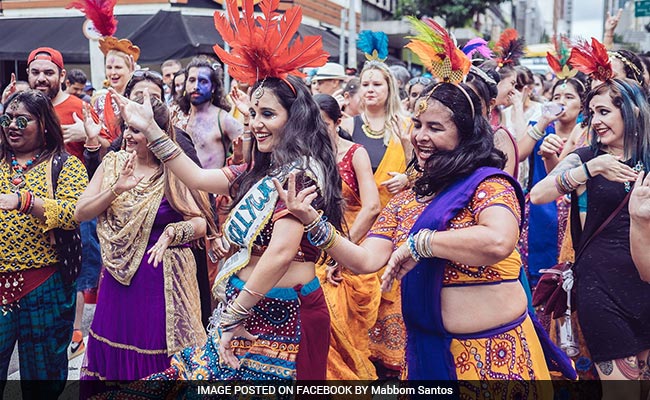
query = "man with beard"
x=45 y=73
x=202 y=112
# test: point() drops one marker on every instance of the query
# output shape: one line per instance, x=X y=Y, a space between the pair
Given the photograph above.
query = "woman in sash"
x=272 y=321
x=460 y=225
x=612 y=301
x=148 y=303
x=353 y=300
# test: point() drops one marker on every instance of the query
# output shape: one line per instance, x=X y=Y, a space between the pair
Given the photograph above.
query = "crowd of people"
x=311 y=222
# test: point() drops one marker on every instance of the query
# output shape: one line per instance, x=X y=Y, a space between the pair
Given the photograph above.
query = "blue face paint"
x=202 y=92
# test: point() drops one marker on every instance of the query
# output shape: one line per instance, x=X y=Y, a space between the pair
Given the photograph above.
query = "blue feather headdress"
x=373 y=44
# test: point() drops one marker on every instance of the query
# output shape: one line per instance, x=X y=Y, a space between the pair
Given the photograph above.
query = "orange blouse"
x=398 y=217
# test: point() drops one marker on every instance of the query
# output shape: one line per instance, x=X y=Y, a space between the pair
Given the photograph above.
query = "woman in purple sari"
x=148 y=303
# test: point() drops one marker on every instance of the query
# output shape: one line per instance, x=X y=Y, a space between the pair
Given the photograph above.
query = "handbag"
x=66 y=242
x=555 y=288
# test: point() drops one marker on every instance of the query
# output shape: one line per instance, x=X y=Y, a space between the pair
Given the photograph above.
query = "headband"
x=627 y=62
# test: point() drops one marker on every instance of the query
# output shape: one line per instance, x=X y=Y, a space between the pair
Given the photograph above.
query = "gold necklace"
x=369 y=132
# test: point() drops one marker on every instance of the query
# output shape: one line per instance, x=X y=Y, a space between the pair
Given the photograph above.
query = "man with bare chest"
x=203 y=113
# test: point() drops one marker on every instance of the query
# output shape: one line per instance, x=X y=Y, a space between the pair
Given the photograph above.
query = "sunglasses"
x=420 y=80
x=21 y=121
x=146 y=74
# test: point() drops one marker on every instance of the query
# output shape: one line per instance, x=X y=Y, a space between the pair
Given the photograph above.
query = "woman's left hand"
x=157 y=251
x=241 y=101
x=8 y=201
x=399 y=264
x=226 y=353
x=397 y=183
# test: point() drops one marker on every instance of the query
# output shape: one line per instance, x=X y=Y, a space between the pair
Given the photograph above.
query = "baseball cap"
x=46 y=53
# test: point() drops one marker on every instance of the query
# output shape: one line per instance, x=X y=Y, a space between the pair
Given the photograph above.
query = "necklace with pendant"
x=17 y=180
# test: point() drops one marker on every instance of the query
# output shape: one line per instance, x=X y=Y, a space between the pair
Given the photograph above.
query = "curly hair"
x=304 y=134
x=475 y=140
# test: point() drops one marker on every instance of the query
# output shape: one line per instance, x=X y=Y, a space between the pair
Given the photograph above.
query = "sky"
x=587 y=16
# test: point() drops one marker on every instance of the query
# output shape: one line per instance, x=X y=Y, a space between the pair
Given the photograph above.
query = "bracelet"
x=534 y=132
x=112 y=189
x=92 y=149
x=589 y=176
x=25 y=202
x=315 y=222
x=183 y=233
x=164 y=148
x=252 y=292
x=412 y=249
x=577 y=182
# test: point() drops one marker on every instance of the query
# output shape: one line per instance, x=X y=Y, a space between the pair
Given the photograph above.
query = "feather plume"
x=559 y=64
x=592 y=59
x=478 y=45
x=373 y=44
x=100 y=12
x=437 y=49
x=509 y=48
x=260 y=45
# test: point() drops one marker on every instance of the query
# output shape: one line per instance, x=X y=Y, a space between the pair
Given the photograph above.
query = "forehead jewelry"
x=259 y=92
x=14 y=105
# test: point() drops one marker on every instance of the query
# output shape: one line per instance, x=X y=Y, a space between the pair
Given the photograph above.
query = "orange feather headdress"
x=260 y=46
x=592 y=59
x=438 y=51
x=509 y=48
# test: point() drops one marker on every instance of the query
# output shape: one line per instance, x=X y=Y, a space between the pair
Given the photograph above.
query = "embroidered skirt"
x=292 y=328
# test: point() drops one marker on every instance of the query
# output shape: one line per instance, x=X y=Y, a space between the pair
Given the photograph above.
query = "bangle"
x=183 y=233
x=164 y=148
x=534 y=132
x=112 y=189
x=252 y=292
x=92 y=149
x=586 y=168
x=315 y=222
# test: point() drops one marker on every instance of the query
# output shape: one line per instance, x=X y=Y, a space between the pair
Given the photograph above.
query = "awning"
x=164 y=35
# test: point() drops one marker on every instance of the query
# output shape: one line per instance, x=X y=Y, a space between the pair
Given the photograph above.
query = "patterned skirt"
x=292 y=328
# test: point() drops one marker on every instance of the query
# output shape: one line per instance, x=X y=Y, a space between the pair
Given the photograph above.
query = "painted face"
x=168 y=73
x=268 y=118
x=566 y=95
x=505 y=87
x=433 y=131
x=607 y=121
x=414 y=93
x=26 y=140
x=44 y=75
x=118 y=72
x=138 y=90
x=198 y=85
x=374 y=88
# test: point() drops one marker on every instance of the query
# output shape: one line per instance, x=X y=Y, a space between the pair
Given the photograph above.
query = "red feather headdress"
x=560 y=64
x=509 y=48
x=592 y=59
x=260 y=46
x=438 y=51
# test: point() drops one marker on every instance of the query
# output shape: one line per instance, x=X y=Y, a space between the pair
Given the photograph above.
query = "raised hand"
x=92 y=128
x=299 y=205
x=241 y=101
x=136 y=115
x=74 y=132
x=640 y=198
x=127 y=180
x=10 y=89
x=612 y=21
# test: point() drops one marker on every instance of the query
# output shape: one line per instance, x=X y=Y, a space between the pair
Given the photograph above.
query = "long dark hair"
x=216 y=78
x=475 y=140
x=631 y=99
x=39 y=105
x=330 y=106
x=304 y=134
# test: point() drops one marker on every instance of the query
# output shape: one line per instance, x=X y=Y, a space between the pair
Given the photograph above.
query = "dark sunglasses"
x=420 y=80
x=146 y=74
x=21 y=121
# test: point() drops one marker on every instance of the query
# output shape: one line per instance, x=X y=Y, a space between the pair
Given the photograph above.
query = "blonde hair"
x=130 y=63
x=393 y=105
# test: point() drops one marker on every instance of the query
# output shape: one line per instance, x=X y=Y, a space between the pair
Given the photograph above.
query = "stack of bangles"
x=534 y=132
x=235 y=313
x=419 y=244
x=25 y=202
x=567 y=183
x=183 y=233
x=321 y=233
x=164 y=148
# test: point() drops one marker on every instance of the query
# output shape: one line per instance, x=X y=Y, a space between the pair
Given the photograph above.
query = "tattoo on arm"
x=606 y=367
x=629 y=367
x=571 y=161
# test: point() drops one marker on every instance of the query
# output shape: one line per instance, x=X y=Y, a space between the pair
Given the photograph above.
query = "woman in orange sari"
x=352 y=300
